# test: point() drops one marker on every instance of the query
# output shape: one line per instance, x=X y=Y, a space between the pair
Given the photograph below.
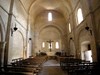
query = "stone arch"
x=85 y=39
x=51 y=25
x=21 y=38
x=50 y=31
x=17 y=46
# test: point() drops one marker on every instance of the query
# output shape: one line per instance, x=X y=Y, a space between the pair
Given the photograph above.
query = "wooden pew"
x=22 y=69
x=78 y=67
x=26 y=65
x=16 y=73
x=18 y=70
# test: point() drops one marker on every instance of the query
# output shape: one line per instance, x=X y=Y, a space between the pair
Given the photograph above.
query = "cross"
x=50 y=41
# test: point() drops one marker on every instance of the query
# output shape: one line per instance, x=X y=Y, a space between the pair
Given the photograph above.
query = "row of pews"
x=79 y=67
x=29 y=66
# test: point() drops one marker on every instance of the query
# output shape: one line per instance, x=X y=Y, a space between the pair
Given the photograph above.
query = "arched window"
x=69 y=27
x=57 y=45
x=43 y=44
x=49 y=16
x=79 y=16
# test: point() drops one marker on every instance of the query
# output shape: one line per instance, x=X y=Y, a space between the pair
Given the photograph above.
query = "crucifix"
x=50 y=41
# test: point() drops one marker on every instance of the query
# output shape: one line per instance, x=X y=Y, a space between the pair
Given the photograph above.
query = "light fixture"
x=88 y=29
x=30 y=38
x=70 y=38
x=13 y=30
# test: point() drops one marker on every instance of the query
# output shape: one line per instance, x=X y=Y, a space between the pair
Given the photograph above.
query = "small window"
x=69 y=27
x=57 y=45
x=79 y=16
x=43 y=44
x=49 y=16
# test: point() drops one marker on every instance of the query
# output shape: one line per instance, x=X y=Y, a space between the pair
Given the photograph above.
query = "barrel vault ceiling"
x=38 y=10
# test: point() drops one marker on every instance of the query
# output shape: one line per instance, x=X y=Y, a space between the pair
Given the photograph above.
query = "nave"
x=52 y=67
x=46 y=65
x=68 y=28
x=69 y=66
x=20 y=66
x=30 y=27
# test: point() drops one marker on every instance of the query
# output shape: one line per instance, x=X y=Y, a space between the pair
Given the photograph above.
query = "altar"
x=51 y=55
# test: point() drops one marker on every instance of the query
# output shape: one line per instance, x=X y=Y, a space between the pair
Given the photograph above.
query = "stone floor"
x=52 y=67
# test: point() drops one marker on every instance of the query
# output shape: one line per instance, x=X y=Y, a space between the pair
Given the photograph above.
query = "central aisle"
x=51 y=63
x=51 y=67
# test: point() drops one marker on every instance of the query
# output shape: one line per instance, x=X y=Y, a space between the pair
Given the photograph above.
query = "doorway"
x=88 y=55
x=86 y=52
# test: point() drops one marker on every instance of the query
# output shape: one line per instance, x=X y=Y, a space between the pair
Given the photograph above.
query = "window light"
x=79 y=15
x=43 y=44
x=69 y=27
x=49 y=16
x=57 y=45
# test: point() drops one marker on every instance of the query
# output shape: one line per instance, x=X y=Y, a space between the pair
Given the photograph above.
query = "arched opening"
x=17 y=46
x=50 y=35
x=86 y=52
x=79 y=16
x=69 y=27
x=86 y=46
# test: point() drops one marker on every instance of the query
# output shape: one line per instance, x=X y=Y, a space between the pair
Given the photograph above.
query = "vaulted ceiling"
x=35 y=7
x=38 y=10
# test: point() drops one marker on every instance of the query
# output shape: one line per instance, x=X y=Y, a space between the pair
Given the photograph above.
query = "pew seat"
x=22 y=69
x=17 y=73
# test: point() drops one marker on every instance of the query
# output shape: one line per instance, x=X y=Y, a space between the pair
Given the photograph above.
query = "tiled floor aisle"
x=52 y=67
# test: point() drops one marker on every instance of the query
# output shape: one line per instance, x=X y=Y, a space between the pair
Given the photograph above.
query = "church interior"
x=49 y=37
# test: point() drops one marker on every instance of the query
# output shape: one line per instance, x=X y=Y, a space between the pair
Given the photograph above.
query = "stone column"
x=10 y=15
x=2 y=47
